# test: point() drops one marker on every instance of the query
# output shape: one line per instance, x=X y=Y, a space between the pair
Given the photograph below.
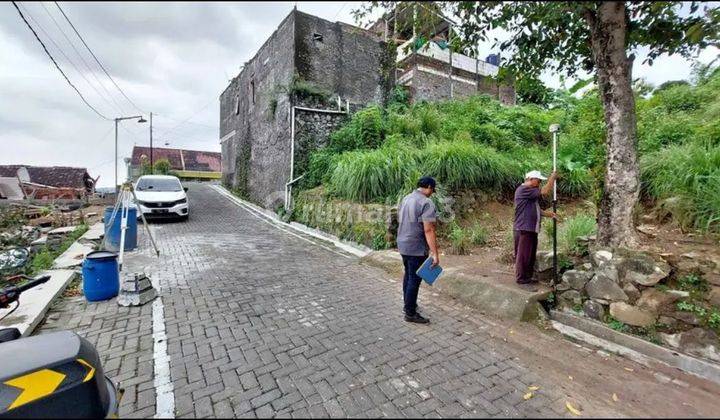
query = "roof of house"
x=181 y=159
x=54 y=176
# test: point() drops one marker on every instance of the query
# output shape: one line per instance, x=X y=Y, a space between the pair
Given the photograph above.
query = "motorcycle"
x=50 y=375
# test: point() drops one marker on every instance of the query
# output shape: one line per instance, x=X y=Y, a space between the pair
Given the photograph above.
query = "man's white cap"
x=534 y=174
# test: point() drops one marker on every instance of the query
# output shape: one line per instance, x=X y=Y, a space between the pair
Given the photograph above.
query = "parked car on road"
x=161 y=196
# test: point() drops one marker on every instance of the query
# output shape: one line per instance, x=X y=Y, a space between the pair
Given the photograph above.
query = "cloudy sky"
x=172 y=59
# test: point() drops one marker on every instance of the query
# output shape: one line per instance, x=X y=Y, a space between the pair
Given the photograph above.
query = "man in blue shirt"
x=415 y=238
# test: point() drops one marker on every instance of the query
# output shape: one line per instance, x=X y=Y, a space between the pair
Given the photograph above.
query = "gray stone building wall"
x=255 y=109
x=256 y=158
x=345 y=60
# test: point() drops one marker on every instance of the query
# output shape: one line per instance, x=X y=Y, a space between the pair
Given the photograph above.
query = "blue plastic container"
x=101 y=277
x=113 y=235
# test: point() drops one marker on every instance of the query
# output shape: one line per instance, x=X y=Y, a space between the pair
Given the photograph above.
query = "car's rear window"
x=160 y=185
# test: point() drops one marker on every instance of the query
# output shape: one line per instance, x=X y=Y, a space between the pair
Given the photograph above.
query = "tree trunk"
x=614 y=71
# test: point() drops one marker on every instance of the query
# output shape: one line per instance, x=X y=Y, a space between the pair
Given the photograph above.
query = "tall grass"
x=373 y=175
x=463 y=164
x=569 y=231
x=685 y=181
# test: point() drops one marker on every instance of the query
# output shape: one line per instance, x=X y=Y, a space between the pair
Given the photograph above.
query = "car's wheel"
x=185 y=218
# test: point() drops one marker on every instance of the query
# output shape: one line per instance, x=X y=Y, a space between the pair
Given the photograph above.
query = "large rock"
x=668 y=321
x=714 y=296
x=601 y=256
x=610 y=271
x=686 y=317
x=603 y=287
x=576 y=279
x=640 y=268
x=544 y=261
x=594 y=310
x=657 y=301
x=571 y=298
x=631 y=291
x=632 y=315
x=698 y=341
x=694 y=262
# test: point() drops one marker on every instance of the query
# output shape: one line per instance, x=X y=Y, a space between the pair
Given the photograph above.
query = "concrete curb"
x=35 y=302
x=635 y=348
x=350 y=247
x=486 y=295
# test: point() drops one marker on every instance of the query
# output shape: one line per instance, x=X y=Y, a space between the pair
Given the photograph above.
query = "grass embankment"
x=478 y=144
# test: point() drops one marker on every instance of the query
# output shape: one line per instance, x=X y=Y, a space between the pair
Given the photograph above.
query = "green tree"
x=162 y=167
x=598 y=37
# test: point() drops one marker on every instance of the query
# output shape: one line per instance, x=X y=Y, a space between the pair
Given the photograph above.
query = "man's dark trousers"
x=411 y=282
x=525 y=249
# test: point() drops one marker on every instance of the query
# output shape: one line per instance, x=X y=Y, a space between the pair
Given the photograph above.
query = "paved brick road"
x=262 y=323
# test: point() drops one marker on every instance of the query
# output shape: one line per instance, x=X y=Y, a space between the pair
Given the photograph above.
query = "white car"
x=161 y=196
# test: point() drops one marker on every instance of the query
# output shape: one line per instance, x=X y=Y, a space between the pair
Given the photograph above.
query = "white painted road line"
x=164 y=390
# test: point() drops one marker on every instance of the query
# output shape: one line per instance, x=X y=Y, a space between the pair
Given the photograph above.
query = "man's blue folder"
x=427 y=273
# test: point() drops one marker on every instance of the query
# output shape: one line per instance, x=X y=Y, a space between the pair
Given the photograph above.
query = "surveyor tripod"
x=126 y=196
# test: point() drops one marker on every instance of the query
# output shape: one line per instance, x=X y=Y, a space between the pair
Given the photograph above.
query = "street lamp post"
x=117 y=120
x=151 y=149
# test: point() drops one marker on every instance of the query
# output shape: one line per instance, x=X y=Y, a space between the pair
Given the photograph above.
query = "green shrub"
x=320 y=166
x=617 y=325
x=460 y=239
x=459 y=165
x=372 y=176
x=714 y=320
x=478 y=234
x=569 y=230
x=364 y=131
x=42 y=261
x=304 y=89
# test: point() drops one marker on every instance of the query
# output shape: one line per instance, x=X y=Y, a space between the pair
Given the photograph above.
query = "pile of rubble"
x=27 y=229
x=636 y=291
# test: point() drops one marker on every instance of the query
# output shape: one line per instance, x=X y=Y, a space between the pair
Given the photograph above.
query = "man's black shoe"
x=417 y=319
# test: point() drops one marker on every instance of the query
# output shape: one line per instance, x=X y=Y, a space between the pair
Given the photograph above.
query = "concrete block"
x=73 y=256
x=488 y=295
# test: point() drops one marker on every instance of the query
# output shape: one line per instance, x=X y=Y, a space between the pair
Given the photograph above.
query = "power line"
x=96 y=59
x=87 y=66
x=62 y=52
x=166 y=132
x=186 y=122
x=56 y=64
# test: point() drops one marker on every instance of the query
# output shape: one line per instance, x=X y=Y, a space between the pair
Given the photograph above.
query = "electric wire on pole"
x=62 y=52
x=82 y=59
x=96 y=59
x=22 y=16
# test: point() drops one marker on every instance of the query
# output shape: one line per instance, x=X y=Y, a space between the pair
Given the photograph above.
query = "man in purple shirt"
x=527 y=224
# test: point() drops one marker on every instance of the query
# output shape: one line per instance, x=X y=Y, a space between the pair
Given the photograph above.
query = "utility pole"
x=151 y=150
x=116 y=127
x=117 y=120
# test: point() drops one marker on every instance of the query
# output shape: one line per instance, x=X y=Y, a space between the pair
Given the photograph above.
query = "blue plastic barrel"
x=101 y=278
x=113 y=235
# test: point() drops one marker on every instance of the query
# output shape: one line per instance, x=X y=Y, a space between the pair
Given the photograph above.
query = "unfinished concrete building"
x=428 y=66
x=287 y=99
x=311 y=73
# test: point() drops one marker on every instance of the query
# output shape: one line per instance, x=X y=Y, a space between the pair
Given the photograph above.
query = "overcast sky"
x=172 y=59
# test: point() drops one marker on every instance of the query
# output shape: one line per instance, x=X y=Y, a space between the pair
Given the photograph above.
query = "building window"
x=237 y=105
x=252 y=91
x=317 y=37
